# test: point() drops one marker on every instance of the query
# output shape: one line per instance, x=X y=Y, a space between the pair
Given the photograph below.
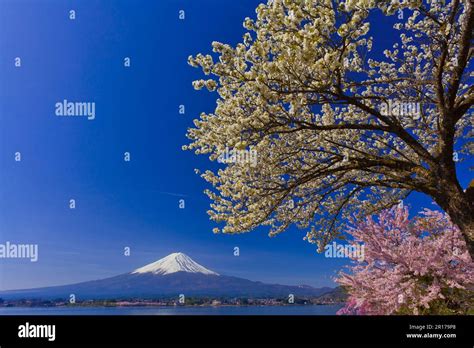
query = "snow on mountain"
x=175 y=262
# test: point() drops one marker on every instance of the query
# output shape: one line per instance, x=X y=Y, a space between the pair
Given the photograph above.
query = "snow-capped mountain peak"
x=175 y=262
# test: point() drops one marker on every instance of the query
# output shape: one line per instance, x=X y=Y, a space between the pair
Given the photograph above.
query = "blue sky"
x=120 y=204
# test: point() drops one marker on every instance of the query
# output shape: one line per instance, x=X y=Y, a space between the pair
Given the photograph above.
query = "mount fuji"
x=175 y=262
x=174 y=274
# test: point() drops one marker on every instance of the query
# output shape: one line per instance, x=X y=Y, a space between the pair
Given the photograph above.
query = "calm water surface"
x=243 y=310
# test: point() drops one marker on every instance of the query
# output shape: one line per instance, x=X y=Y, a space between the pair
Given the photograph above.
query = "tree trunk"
x=460 y=207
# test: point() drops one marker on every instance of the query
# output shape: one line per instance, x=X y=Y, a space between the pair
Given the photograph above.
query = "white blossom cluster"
x=303 y=89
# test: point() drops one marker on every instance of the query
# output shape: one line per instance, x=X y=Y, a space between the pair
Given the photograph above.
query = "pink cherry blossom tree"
x=410 y=266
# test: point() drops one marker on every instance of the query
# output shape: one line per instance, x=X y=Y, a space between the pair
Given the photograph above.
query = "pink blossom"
x=408 y=262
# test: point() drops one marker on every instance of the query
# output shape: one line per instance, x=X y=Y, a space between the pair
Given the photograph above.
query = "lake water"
x=241 y=310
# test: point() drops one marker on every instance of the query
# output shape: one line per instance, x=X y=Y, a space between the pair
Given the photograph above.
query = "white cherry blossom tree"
x=339 y=130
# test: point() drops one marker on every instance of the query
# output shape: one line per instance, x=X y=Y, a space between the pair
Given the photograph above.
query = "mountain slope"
x=173 y=275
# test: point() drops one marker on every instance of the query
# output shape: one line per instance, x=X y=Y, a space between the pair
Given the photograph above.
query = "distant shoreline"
x=101 y=304
x=175 y=306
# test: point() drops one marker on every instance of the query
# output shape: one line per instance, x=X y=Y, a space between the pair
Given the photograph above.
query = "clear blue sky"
x=120 y=204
